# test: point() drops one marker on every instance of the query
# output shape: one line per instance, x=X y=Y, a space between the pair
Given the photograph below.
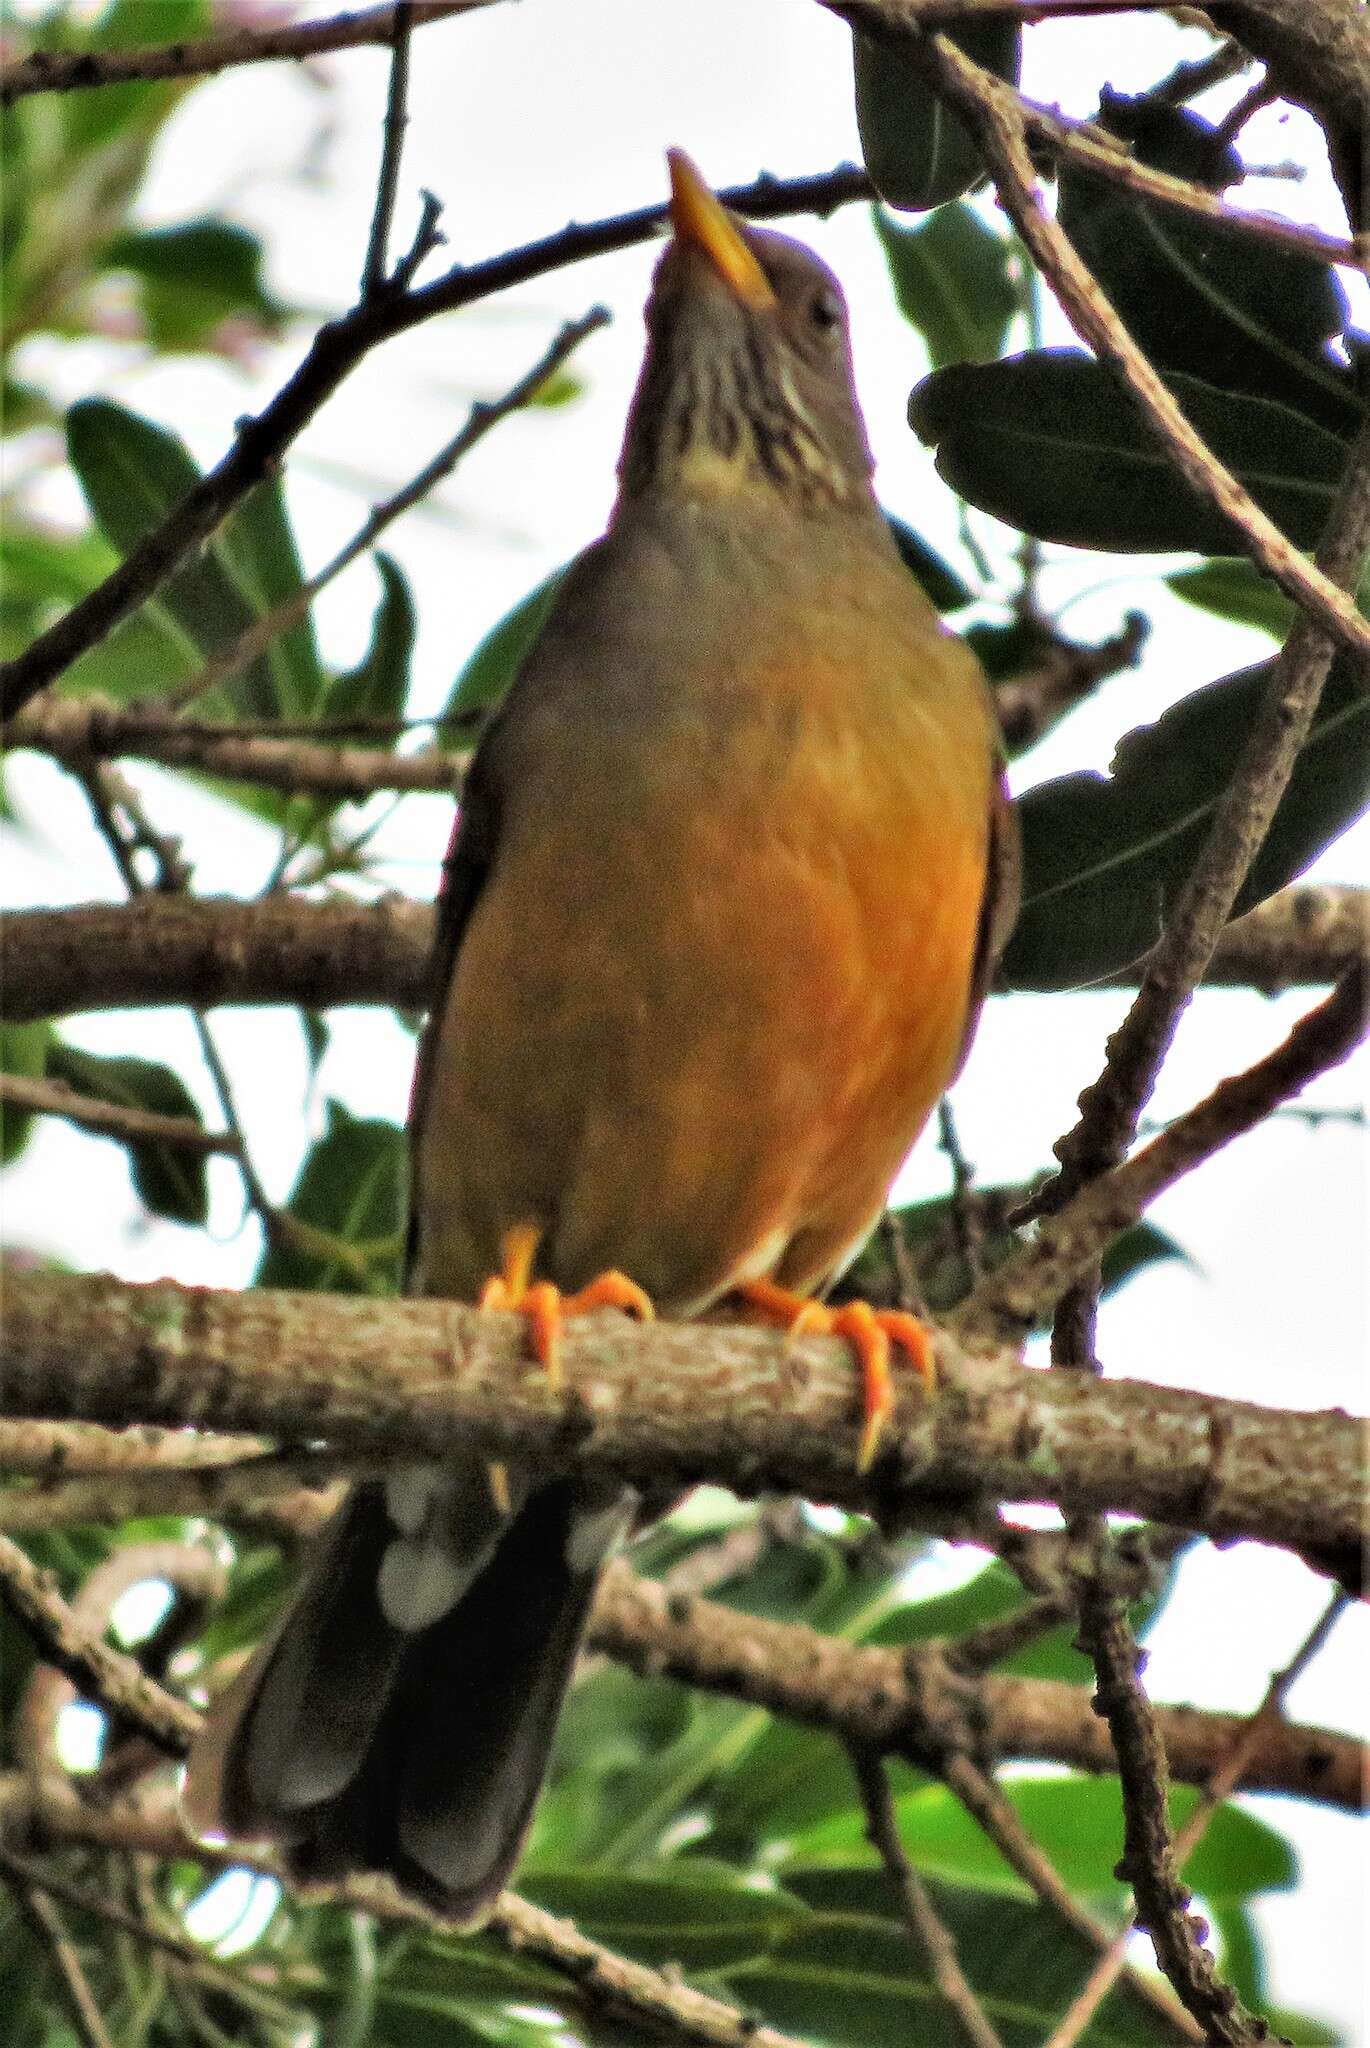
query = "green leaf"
x=1234 y=588
x=941 y=584
x=919 y=153
x=951 y=279
x=379 y=685
x=699 y=1916
x=489 y=671
x=260 y=544
x=351 y=1191
x=193 y=277
x=1049 y=443
x=1105 y=857
x=1078 y=1821
x=132 y=473
x=849 y=1974
x=23 y=1051
x=1198 y=295
x=171 y=1180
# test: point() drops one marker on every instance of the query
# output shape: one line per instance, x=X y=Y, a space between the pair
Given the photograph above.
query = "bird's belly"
x=709 y=1069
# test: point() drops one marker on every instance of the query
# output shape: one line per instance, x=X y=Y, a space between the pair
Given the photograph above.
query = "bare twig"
x=46 y=1922
x=1069 y=1241
x=1032 y=702
x=1224 y=1781
x=77 y=70
x=131 y=1125
x=392 y=148
x=991 y=111
x=604 y=1981
x=929 y=1932
x=1148 y=1861
x=1111 y=1106
x=341 y=344
x=115 y=1681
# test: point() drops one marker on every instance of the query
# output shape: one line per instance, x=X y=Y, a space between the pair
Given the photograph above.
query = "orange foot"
x=545 y=1307
x=870 y=1332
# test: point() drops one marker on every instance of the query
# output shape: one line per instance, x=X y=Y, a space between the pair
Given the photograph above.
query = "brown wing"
x=1003 y=888
x=470 y=852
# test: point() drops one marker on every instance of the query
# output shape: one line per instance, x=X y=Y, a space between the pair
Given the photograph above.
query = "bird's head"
x=747 y=380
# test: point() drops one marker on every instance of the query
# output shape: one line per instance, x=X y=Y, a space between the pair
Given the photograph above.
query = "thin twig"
x=124 y=1121
x=1225 y=1779
x=53 y=1450
x=484 y=415
x=1111 y=1106
x=994 y=116
x=1148 y=1862
x=927 y=1929
x=343 y=343
x=992 y=1810
x=78 y=70
x=46 y=1922
x=1069 y=1241
x=114 y=1681
x=392 y=148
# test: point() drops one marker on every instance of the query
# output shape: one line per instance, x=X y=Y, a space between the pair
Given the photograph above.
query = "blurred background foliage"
x=677 y=1828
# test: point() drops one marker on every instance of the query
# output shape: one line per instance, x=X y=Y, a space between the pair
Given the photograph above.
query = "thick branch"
x=76 y=70
x=211 y=950
x=881 y=1699
x=671 y=1404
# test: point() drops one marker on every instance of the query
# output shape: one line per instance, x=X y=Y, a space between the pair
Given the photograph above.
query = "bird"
x=732 y=867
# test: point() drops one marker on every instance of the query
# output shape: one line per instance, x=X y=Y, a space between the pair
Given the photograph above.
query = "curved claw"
x=545 y=1308
x=872 y=1333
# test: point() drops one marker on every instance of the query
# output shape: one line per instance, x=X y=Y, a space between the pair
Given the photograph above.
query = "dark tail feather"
x=358 y=1745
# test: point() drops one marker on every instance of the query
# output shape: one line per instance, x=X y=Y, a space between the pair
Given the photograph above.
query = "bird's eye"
x=825 y=310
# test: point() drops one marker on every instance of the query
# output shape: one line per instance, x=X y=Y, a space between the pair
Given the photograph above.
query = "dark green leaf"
x=699 y=1916
x=260 y=545
x=488 y=672
x=1199 y=296
x=171 y=1180
x=352 y=1190
x=850 y=1975
x=919 y=154
x=1234 y=588
x=379 y=686
x=941 y=584
x=23 y=1051
x=951 y=278
x=133 y=472
x=1049 y=443
x=1105 y=855
x=1008 y=649
x=194 y=276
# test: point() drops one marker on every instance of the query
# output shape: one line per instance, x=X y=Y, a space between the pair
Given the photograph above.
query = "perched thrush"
x=732 y=868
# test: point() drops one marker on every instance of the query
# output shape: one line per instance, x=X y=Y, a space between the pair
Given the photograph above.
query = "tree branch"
x=673 y=1403
x=77 y=70
x=125 y=1121
x=283 y=949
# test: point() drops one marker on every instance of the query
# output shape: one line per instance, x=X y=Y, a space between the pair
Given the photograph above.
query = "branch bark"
x=79 y=70
x=672 y=1404
x=282 y=949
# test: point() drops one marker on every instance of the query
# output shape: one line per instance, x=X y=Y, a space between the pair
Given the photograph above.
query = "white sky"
x=518 y=129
